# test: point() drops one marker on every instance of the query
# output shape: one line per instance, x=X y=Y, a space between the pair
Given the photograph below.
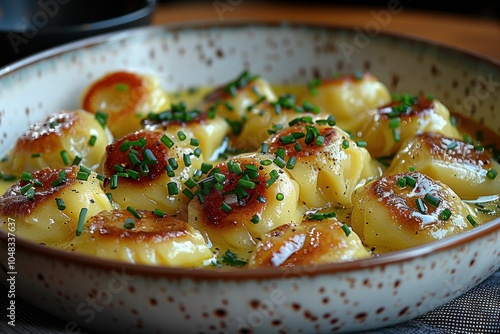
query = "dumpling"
x=347 y=97
x=47 y=205
x=387 y=127
x=325 y=162
x=148 y=170
x=125 y=98
x=309 y=243
x=232 y=100
x=405 y=210
x=467 y=169
x=142 y=237
x=209 y=132
x=264 y=119
x=62 y=139
x=242 y=199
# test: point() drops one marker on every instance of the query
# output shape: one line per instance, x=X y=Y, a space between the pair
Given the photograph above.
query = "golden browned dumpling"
x=208 y=132
x=307 y=244
x=467 y=169
x=125 y=98
x=242 y=199
x=147 y=170
x=47 y=205
x=324 y=161
x=263 y=120
x=142 y=237
x=62 y=139
x=232 y=100
x=387 y=127
x=347 y=97
x=405 y=210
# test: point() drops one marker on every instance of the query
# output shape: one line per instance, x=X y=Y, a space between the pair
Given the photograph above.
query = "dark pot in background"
x=29 y=26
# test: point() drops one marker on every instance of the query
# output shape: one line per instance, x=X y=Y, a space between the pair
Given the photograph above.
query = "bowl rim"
x=236 y=274
x=115 y=21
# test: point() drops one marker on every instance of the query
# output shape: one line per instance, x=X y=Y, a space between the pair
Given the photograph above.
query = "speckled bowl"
x=114 y=297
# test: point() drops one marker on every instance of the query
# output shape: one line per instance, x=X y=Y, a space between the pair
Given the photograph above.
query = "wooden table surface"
x=481 y=36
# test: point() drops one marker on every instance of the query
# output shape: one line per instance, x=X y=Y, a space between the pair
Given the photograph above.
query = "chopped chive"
x=410 y=181
x=60 y=204
x=412 y=169
x=37 y=183
x=206 y=167
x=170 y=171
x=110 y=197
x=229 y=105
x=172 y=188
x=134 y=212
x=346 y=229
x=92 y=140
x=36 y=155
x=298 y=147
x=291 y=163
x=134 y=159
x=492 y=174
x=421 y=206
x=124 y=146
x=281 y=153
x=58 y=181
x=133 y=174
x=81 y=221
x=320 y=140
x=261 y=199
x=445 y=214
x=187 y=159
x=396 y=135
x=234 y=167
x=345 y=144
x=401 y=182
x=82 y=176
x=173 y=163
x=189 y=194
x=264 y=148
x=129 y=223
x=197 y=152
x=246 y=183
x=479 y=148
x=25 y=188
x=468 y=139
x=472 y=221
x=113 y=181
x=361 y=143
x=279 y=162
x=100 y=177
x=255 y=219
x=453 y=121
x=26 y=176
x=219 y=177
x=30 y=194
x=432 y=200
x=225 y=207
x=122 y=174
x=118 y=168
x=65 y=157
x=394 y=123
x=121 y=87
x=167 y=141
x=452 y=145
x=181 y=135
x=266 y=162
x=288 y=139
x=76 y=161
x=194 y=142
x=280 y=196
x=53 y=124
x=102 y=118
x=190 y=183
x=321 y=216
x=149 y=157
x=159 y=213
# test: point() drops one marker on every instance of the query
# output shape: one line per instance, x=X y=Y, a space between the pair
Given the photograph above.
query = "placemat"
x=475 y=312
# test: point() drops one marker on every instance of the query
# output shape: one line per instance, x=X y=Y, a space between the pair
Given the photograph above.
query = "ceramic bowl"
x=109 y=296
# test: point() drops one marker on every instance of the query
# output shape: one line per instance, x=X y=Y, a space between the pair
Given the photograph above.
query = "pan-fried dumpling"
x=64 y=138
x=232 y=100
x=387 y=127
x=209 y=132
x=147 y=170
x=264 y=119
x=142 y=237
x=46 y=205
x=347 y=97
x=467 y=169
x=244 y=198
x=405 y=210
x=307 y=244
x=126 y=98
x=327 y=165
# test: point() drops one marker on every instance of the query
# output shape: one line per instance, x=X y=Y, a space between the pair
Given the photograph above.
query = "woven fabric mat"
x=475 y=312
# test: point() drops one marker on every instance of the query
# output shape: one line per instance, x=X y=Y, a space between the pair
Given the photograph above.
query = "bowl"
x=29 y=26
x=103 y=295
